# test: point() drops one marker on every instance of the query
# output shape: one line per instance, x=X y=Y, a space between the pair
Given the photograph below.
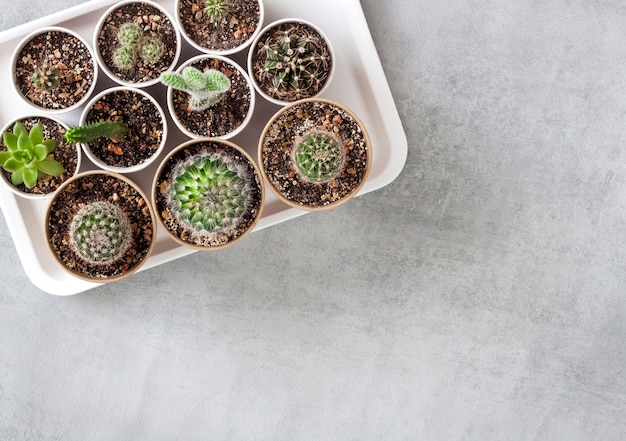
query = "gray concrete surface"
x=480 y=296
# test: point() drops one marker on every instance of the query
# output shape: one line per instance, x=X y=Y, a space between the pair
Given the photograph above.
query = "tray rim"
x=382 y=98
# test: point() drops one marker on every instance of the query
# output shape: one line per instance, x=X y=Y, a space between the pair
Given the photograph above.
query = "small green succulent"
x=100 y=233
x=46 y=77
x=103 y=129
x=216 y=9
x=318 y=156
x=205 y=89
x=28 y=154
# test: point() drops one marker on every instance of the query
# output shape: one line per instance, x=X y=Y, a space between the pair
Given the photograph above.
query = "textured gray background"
x=480 y=296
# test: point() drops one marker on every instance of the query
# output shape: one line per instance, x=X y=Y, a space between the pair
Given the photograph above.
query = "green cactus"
x=125 y=57
x=216 y=9
x=102 y=129
x=208 y=193
x=130 y=34
x=151 y=50
x=100 y=233
x=205 y=89
x=318 y=156
x=46 y=77
x=28 y=154
x=134 y=45
x=296 y=62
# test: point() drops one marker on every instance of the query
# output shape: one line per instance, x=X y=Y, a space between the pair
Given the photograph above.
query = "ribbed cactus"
x=100 y=233
x=318 y=156
x=296 y=61
x=46 y=77
x=216 y=9
x=209 y=192
x=205 y=89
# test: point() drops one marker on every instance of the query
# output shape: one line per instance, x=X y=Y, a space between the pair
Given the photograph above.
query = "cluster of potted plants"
x=206 y=193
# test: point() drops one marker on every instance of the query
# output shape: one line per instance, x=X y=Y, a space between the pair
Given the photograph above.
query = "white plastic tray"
x=359 y=84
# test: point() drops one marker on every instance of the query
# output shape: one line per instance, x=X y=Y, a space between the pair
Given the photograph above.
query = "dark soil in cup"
x=154 y=24
x=66 y=64
x=65 y=153
x=222 y=118
x=281 y=138
x=232 y=30
x=84 y=190
x=145 y=134
x=222 y=236
x=314 y=74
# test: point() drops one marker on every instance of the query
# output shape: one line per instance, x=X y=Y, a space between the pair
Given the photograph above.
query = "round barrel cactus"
x=100 y=233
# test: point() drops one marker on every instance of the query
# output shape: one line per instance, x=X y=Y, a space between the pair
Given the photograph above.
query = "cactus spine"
x=100 y=233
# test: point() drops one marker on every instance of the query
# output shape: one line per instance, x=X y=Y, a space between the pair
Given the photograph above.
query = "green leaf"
x=41 y=151
x=17 y=177
x=10 y=141
x=50 y=167
x=19 y=129
x=23 y=142
x=50 y=144
x=36 y=134
x=30 y=177
x=4 y=156
x=13 y=165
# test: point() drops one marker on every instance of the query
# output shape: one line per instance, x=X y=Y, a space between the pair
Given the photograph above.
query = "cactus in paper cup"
x=205 y=89
x=28 y=154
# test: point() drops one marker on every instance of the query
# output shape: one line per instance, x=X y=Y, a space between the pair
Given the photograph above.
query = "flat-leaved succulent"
x=28 y=154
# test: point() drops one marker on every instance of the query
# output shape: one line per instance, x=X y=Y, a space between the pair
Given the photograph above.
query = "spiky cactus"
x=209 y=193
x=125 y=58
x=318 y=156
x=205 y=89
x=216 y=9
x=134 y=45
x=100 y=233
x=296 y=62
x=46 y=78
x=151 y=50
